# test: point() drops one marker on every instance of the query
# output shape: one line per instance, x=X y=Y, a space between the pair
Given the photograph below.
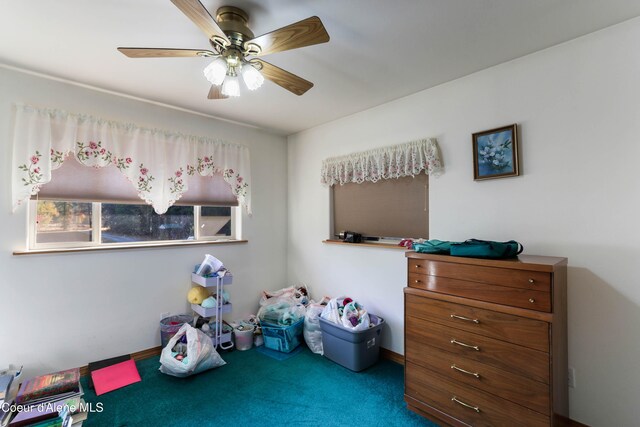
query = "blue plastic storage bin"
x=282 y=338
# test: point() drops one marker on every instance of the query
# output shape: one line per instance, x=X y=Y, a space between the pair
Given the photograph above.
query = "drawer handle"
x=475 y=374
x=418 y=281
x=531 y=300
x=466 y=405
x=475 y=347
x=531 y=281
x=455 y=316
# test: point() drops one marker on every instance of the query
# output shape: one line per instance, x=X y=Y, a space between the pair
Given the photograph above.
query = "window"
x=63 y=222
x=383 y=193
x=139 y=223
x=387 y=209
x=68 y=224
x=215 y=221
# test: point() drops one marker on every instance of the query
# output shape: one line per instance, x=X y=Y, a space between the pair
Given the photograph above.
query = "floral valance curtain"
x=155 y=162
x=394 y=161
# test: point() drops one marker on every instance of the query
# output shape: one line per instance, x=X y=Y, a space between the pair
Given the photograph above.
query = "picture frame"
x=495 y=153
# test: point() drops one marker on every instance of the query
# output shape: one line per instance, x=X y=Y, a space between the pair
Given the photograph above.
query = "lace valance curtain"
x=155 y=162
x=395 y=161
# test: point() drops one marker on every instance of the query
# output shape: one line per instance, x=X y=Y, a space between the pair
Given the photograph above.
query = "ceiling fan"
x=233 y=44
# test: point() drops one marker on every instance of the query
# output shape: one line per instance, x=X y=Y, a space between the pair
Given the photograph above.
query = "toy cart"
x=220 y=338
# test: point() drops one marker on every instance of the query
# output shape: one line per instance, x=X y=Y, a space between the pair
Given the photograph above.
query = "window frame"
x=96 y=232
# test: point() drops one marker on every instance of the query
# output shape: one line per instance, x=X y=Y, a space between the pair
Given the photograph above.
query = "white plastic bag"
x=353 y=310
x=281 y=311
x=312 y=332
x=331 y=312
x=200 y=353
x=300 y=294
x=341 y=314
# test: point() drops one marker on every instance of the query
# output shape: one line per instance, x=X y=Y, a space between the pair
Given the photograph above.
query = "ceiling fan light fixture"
x=216 y=71
x=231 y=86
x=232 y=41
x=252 y=77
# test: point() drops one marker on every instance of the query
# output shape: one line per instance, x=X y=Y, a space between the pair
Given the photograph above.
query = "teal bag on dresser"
x=439 y=247
x=474 y=248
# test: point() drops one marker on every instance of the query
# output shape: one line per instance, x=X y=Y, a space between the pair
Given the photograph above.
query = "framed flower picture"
x=495 y=153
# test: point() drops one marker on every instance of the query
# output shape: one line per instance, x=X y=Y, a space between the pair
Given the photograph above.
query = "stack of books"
x=52 y=400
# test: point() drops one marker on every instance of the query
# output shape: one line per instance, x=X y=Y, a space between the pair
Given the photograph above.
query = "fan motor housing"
x=233 y=21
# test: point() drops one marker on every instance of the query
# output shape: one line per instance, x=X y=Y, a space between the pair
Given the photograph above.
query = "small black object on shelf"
x=350 y=237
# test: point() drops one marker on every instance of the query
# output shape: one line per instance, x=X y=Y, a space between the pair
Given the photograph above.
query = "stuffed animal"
x=209 y=302
x=197 y=294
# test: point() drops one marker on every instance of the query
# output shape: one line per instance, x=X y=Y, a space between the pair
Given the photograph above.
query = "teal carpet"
x=256 y=390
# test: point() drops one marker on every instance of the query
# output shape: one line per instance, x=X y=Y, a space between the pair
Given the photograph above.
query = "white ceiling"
x=379 y=50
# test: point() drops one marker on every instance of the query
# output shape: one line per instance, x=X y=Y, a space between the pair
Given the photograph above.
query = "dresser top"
x=522 y=262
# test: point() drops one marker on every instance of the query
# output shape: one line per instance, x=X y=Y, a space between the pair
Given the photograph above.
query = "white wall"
x=578 y=107
x=65 y=310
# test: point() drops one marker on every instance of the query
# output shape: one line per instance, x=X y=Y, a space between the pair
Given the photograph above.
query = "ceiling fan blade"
x=201 y=17
x=307 y=32
x=143 y=52
x=215 y=93
x=283 y=78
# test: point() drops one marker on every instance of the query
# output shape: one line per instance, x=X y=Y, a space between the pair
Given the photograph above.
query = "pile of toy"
x=179 y=351
x=189 y=352
x=283 y=307
x=200 y=296
x=346 y=312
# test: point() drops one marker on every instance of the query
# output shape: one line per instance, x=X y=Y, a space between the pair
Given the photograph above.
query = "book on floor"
x=79 y=417
x=47 y=410
x=33 y=415
x=71 y=396
x=62 y=419
x=48 y=385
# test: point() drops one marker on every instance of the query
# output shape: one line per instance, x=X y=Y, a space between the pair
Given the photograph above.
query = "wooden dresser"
x=486 y=340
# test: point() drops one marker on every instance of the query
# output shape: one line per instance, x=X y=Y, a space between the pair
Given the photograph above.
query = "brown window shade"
x=388 y=208
x=73 y=181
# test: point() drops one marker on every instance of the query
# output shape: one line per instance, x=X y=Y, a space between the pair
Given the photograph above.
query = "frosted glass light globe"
x=231 y=86
x=216 y=71
x=252 y=77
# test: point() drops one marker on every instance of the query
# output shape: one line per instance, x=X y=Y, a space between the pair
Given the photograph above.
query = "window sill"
x=131 y=246
x=369 y=245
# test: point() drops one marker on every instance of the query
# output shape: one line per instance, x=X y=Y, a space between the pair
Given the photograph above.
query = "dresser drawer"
x=516 y=388
x=518 y=330
x=469 y=405
x=421 y=334
x=516 y=297
x=534 y=280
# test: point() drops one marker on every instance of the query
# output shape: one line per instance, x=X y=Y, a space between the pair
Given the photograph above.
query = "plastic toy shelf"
x=209 y=282
x=225 y=341
x=219 y=338
x=211 y=312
